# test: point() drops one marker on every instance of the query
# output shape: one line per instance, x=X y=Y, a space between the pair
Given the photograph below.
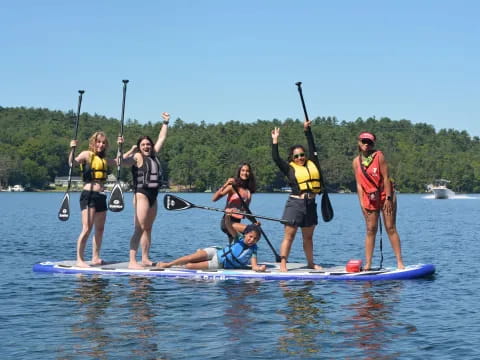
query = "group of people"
x=374 y=187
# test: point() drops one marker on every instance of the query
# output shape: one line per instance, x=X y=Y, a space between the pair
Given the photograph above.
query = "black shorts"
x=93 y=199
x=150 y=193
x=301 y=212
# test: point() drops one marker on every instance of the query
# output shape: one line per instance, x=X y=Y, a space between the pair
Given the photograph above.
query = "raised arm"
x=282 y=165
x=163 y=132
x=223 y=190
x=312 y=150
x=129 y=157
x=80 y=158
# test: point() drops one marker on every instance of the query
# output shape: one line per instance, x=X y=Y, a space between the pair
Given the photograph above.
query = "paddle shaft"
x=277 y=257
x=122 y=119
x=238 y=213
x=75 y=135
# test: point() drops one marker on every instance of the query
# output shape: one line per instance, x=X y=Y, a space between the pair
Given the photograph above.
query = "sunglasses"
x=367 y=141
x=296 y=156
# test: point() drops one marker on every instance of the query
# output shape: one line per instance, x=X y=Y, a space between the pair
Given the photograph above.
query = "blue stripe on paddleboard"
x=411 y=272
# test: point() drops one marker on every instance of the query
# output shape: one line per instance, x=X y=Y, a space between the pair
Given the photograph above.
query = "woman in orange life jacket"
x=301 y=209
x=93 y=201
x=146 y=173
x=376 y=193
x=245 y=183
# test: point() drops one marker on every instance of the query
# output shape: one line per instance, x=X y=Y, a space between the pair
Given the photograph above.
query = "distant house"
x=77 y=182
x=62 y=181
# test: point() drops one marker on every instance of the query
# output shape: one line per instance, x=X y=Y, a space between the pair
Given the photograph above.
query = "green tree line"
x=34 y=148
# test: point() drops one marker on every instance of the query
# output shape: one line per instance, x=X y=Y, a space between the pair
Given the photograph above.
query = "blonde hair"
x=93 y=139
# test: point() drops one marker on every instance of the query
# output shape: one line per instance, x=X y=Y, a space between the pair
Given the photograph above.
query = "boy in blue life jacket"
x=238 y=255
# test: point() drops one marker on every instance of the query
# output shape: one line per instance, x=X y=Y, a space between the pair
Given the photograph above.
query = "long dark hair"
x=292 y=149
x=152 y=152
x=250 y=183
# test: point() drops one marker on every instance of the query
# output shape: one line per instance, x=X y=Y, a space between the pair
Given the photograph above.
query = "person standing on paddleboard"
x=242 y=185
x=147 y=178
x=241 y=254
x=93 y=200
x=376 y=193
x=301 y=209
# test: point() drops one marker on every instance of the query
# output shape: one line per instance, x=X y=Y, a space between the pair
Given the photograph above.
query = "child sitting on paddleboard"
x=238 y=255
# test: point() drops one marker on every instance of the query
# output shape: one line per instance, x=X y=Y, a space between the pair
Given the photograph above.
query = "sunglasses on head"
x=367 y=141
x=296 y=156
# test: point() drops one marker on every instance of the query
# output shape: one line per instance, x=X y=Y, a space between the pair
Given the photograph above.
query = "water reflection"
x=141 y=326
x=237 y=317
x=305 y=320
x=373 y=325
x=94 y=298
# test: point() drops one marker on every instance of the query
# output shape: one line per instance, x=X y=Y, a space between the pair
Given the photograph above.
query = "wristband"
x=165 y=122
x=389 y=197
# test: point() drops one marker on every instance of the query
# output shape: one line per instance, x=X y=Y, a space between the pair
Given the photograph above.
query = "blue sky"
x=239 y=60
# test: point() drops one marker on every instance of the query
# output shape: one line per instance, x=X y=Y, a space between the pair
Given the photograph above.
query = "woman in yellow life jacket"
x=93 y=201
x=301 y=209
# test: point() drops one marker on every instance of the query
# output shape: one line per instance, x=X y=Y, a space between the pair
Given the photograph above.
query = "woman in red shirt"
x=375 y=192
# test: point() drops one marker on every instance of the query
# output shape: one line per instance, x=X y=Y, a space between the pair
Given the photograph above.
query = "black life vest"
x=148 y=175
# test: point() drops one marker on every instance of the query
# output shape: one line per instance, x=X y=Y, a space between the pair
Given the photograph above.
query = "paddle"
x=64 y=212
x=326 y=206
x=116 y=202
x=172 y=202
x=253 y=220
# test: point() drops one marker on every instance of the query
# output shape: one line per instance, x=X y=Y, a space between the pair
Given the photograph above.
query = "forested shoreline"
x=34 y=146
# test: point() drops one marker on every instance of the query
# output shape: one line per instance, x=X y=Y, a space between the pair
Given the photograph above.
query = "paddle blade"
x=115 y=203
x=327 y=210
x=64 y=212
x=171 y=202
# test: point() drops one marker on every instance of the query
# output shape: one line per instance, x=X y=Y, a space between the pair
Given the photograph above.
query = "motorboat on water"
x=440 y=189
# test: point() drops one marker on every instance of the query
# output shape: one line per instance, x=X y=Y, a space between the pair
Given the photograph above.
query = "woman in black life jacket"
x=146 y=172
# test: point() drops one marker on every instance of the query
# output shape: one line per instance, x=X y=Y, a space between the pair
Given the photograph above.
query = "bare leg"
x=239 y=227
x=197 y=257
x=87 y=225
x=99 y=221
x=146 y=239
x=288 y=237
x=371 y=220
x=391 y=229
x=307 y=233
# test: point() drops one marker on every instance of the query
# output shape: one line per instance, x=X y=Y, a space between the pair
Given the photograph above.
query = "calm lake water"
x=48 y=316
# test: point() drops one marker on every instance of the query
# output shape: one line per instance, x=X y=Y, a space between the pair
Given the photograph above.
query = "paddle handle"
x=299 y=87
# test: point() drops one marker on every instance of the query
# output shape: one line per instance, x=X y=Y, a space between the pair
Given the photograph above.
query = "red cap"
x=367 y=135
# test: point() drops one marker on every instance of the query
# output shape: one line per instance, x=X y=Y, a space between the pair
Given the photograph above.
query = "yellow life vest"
x=96 y=169
x=308 y=176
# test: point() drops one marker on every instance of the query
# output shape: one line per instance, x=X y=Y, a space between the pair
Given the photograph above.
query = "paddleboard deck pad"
x=296 y=271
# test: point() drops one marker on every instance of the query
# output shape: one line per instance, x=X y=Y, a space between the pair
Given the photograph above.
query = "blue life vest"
x=237 y=255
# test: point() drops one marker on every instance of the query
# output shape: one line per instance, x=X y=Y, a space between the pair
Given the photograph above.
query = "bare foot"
x=283 y=268
x=96 y=262
x=82 y=264
x=162 y=265
x=148 y=263
x=400 y=265
x=135 y=266
x=315 y=267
